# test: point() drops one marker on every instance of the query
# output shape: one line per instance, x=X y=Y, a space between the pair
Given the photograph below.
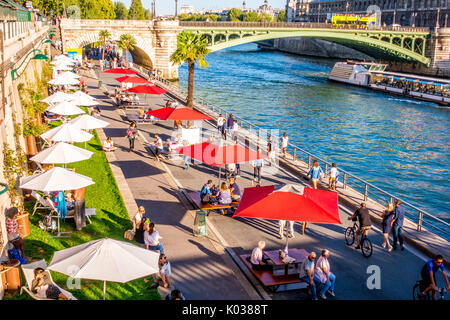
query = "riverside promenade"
x=207 y=268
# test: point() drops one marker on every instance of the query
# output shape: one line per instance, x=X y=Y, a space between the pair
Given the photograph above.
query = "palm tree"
x=191 y=48
x=127 y=43
x=103 y=36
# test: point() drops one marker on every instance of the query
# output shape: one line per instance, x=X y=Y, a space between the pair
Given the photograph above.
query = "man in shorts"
x=428 y=275
x=363 y=216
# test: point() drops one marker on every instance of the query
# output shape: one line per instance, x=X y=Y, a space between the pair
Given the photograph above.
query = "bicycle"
x=365 y=243
x=419 y=287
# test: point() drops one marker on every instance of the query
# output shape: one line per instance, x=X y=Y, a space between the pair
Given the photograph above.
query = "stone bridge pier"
x=155 y=40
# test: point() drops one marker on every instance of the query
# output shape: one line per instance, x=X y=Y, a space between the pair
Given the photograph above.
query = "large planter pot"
x=30 y=143
x=10 y=275
x=24 y=223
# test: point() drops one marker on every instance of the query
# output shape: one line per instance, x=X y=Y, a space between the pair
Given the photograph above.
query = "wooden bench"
x=195 y=197
x=268 y=279
x=135 y=118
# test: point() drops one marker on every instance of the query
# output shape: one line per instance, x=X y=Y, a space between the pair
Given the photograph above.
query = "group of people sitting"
x=123 y=98
x=317 y=275
x=225 y=194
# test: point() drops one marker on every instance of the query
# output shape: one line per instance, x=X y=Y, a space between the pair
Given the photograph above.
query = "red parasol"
x=215 y=155
x=181 y=113
x=121 y=71
x=134 y=79
x=289 y=202
x=147 y=89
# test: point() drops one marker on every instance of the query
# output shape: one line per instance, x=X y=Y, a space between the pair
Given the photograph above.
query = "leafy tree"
x=136 y=10
x=252 y=16
x=127 y=43
x=191 y=48
x=120 y=10
x=235 y=15
x=147 y=14
x=281 y=16
x=97 y=9
x=210 y=17
x=265 y=17
x=104 y=35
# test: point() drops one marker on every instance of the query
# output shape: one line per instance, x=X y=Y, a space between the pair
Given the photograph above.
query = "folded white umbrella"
x=65 y=108
x=88 y=122
x=67 y=133
x=62 y=152
x=69 y=74
x=58 y=97
x=64 y=80
x=105 y=260
x=55 y=179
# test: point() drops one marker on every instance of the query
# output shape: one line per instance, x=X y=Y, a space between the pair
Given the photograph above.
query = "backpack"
x=15 y=254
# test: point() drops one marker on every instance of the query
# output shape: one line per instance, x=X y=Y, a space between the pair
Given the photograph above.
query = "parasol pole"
x=104 y=290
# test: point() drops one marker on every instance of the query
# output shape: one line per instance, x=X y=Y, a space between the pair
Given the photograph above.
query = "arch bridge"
x=398 y=43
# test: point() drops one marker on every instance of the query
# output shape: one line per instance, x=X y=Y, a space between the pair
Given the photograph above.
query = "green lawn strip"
x=111 y=220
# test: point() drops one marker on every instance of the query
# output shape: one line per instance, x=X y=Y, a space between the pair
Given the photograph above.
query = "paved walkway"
x=201 y=269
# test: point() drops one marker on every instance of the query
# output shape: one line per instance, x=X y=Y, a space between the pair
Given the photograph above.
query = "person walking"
x=270 y=150
x=334 y=173
x=12 y=230
x=284 y=144
x=290 y=228
x=235 y=131
x=230 y=122
x=220 y=123
x=315 y=172
x=131 y=135
x=326 y=277
x=387 y=215
x=257 y=166
x=397 y=223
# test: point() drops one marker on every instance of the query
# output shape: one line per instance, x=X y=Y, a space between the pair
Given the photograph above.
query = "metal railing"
x=294 y=25
x=420 y=217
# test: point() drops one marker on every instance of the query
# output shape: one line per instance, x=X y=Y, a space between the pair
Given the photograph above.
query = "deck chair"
x=28 y=272
x=42 y=203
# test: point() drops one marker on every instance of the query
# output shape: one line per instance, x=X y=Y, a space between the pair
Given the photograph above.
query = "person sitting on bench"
x=235 y=191
x=43 y=285
x=141 y=113
x=206 y=194
x=257 y=259
x=108 y=145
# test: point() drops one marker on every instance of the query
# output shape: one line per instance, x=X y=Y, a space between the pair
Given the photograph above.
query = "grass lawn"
x=111 y=220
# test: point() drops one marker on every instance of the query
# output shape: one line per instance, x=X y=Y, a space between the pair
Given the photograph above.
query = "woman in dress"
x=387 y=215
x=131 y=135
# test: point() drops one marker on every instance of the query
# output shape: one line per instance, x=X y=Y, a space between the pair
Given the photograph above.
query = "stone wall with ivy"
x=19 y=117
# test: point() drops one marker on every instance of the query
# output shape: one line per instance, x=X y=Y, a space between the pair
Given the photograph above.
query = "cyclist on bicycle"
x=363 y=215
x=428 y=275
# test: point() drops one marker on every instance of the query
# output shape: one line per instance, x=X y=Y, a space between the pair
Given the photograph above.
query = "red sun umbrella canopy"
x=146 y=89
x=215 y=155
x=133 y=79
x=120 y=71
x=289 y=202
x=181 y=113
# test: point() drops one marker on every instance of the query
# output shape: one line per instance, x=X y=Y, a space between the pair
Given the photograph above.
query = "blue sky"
x=168 y=6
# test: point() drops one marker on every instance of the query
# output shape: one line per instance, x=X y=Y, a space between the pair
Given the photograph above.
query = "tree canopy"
x=120 y=10
x=281 y=16
x=136 y=10
x=84 y=9
x=235 y=15
x=251 y=16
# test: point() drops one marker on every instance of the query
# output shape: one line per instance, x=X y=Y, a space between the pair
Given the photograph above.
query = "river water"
x=398 y=144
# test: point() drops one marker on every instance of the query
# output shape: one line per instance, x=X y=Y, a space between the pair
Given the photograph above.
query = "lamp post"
x=318 y=14
x=437 y=17
x=395 y=11
x=176 y=9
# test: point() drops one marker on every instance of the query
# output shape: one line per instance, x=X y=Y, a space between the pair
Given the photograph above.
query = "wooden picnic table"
x=195 y=197
x=298 y=254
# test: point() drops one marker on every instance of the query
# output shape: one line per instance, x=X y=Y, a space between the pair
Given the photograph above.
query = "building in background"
x=417 y=13
x=187 y=9
x=291 y=5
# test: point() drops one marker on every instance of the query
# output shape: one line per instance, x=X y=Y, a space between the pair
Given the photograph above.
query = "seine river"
x=400 y=145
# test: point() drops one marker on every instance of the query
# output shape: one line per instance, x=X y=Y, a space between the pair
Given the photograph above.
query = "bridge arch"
x=142 y=53
x=385 y=45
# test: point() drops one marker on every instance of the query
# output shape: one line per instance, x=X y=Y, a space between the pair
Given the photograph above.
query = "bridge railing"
x=286 y=25
x=347 y=180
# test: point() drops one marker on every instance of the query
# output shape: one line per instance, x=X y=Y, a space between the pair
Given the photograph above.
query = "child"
x=333 y=176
